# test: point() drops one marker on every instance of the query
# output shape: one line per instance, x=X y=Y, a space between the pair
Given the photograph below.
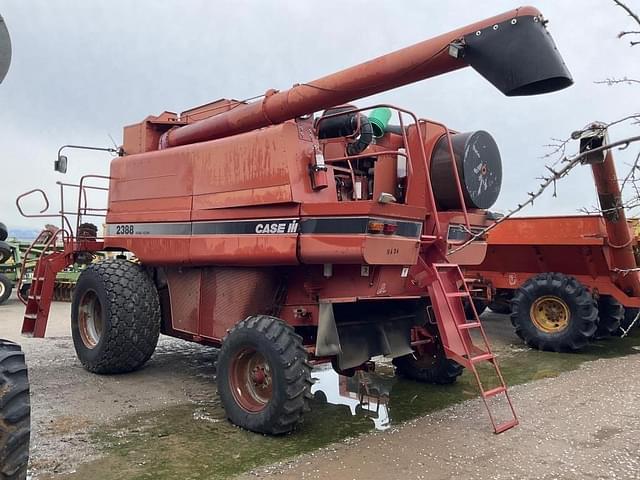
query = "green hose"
x=379 y=118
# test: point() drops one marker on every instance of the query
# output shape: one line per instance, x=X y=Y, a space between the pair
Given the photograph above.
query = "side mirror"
x=60 y=165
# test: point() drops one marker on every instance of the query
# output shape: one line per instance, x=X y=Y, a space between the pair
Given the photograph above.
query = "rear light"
x=389 y=228
x=375 y=227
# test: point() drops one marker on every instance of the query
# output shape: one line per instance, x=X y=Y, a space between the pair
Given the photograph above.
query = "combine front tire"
x=14 y=412
x=428 y=364
x=5 y=288
x=115 y=317
x=264 y=380
x=555 y=312
x=611 y=313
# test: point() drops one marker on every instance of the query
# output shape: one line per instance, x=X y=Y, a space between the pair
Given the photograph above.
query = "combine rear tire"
x=14 y=412
x=429 y=366
x=115 y=317
x=554 y=312
x=264 y=379
x=6 y=252
x=5 y=288
x=611 y=313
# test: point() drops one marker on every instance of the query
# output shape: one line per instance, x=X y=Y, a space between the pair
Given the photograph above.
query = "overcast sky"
x=83 y=69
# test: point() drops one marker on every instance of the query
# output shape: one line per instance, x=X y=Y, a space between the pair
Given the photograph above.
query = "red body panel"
x=520 y=248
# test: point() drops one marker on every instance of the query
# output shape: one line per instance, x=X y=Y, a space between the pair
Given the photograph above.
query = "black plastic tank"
x=477 y=159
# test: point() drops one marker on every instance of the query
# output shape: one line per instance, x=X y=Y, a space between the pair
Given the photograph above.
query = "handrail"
x=45 y=247
x=456 y=175
x=82 y=188
x=33 y=215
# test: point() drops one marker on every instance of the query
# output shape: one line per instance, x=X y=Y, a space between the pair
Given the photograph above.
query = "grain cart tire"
x=501 y=302
x=611 y=314
x=5 y=288
x=4 y=233
x=115 y=317
x=263 y=377
x=630 y=315
x=501 y=308
x=481 y=306
x=15 y=410
x=432 y=366
x=6 y=252
x=554 y=312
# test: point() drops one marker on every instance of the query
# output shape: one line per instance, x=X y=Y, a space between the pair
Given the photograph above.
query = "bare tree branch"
x=634 y=16
x=631 y=13
x=614 y=81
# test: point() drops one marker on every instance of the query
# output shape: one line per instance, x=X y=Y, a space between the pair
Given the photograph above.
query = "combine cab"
x=284 y=235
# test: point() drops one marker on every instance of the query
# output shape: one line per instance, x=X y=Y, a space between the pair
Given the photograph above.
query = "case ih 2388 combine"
x=286 y=237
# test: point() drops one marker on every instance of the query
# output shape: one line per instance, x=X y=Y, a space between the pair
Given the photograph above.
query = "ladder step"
x=466 y=326
x=35 y=297
x=457 y=294
x=506 y=426
x=30 y=316
x=482 y=358
x=494 y=391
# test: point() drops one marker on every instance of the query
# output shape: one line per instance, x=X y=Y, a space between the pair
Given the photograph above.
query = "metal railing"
x=82 y=207
x=432 y=204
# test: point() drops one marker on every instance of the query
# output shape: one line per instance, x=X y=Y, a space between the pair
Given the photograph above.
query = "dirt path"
x=583 y=424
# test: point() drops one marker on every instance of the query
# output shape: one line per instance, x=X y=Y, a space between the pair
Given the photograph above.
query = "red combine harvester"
x=567 y=280
x=284 y=237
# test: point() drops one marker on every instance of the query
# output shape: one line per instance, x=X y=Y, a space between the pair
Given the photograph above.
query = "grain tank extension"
x=301 y=228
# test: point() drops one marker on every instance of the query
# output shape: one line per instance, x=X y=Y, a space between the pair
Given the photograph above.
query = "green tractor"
x=15 y=405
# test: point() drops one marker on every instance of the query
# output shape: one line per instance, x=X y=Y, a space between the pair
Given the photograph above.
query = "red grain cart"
x=567 y=279
x=284 y=237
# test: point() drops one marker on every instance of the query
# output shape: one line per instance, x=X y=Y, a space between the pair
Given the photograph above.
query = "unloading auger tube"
x=513 y=51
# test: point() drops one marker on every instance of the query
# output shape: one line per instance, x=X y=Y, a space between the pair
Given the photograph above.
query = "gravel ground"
x=67 y=401
x=583 y=424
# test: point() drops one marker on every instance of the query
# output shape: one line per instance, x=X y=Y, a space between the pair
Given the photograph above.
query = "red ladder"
x=38 y=301
x=446 y=298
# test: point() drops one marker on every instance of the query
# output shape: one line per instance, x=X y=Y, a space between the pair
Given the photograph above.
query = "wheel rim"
x=550 y=314
x=90 y=320
x=251 y=380
x=2 y=289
